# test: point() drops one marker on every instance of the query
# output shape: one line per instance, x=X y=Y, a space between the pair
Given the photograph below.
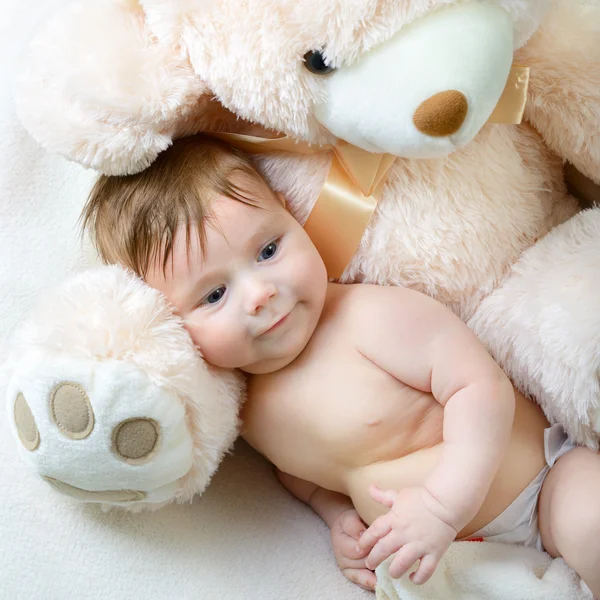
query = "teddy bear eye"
x=315 y=63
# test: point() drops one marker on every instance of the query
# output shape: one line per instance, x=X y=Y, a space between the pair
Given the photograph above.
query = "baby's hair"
x=132 y=219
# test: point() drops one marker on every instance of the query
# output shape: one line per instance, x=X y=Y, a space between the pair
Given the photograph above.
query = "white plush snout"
x=428 y=90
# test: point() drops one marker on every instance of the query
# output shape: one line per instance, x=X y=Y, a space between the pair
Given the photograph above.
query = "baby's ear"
x=99 y=88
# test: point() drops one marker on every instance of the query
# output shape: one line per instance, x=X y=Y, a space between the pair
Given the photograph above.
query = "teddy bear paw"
x=107 y=435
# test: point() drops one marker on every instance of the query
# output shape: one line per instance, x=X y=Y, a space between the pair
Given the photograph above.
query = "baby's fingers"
x=363 y=577
x=406 y=557
x=353 y=526
x=346 y=562
x=382 y=550
x=379 y=528
x=348 y=547
x=425 y=571
x=386 y=497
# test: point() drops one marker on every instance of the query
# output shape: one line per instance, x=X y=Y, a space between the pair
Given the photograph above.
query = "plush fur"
x=552 y=323
x=563 y=103
x=247 y=53
x=489 y=230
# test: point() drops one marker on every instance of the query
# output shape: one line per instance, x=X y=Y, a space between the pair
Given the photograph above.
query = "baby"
x=376 y=404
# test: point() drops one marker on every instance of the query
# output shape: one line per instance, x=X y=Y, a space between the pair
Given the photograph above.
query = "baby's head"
x=203 y=227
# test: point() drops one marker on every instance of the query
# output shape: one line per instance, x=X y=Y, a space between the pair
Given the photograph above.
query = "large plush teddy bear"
x=391 y=128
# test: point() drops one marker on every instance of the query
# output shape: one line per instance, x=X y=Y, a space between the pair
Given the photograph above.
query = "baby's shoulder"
x=375 y=312
x=365 y=298
x=352 y=309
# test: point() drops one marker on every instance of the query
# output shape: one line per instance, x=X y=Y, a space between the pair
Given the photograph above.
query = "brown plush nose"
x=442 y=115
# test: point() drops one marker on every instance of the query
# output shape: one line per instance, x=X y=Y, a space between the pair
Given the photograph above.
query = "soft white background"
x=245 y=539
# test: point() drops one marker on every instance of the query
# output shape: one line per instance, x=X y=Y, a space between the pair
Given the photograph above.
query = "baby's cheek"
x=194 y=334
x=219 y=347
x=310 y=271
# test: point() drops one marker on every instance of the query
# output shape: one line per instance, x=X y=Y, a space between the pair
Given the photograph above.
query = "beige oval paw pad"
x=96 y=496
x=72 y=412
x=135 y=439
x=26 y=427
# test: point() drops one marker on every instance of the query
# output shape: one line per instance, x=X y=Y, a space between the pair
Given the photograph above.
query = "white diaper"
x=518 y=524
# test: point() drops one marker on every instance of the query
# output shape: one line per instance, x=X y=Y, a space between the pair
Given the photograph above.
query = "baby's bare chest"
x=327 y=416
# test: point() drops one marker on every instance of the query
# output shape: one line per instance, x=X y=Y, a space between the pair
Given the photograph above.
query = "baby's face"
x=253 y=297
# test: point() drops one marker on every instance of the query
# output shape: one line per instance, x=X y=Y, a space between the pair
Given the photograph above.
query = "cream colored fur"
x=564 y=106
x=247 y=52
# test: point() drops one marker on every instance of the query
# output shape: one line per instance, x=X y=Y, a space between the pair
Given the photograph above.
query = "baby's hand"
x=345 y=533
x=412 y=529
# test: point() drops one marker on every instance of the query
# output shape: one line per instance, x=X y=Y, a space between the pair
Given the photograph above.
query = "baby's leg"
x=569 y=514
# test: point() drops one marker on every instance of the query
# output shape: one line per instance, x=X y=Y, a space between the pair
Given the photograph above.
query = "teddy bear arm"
x=108 y=399
x=97 y=87
x=564 y=97
x=542 y=325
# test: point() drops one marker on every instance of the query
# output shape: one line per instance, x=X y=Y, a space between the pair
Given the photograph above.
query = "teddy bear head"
x=110 y=83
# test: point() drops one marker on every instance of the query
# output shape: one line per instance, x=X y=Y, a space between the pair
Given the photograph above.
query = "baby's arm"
x=328 y=505
x=342 y=519
x=423 y=345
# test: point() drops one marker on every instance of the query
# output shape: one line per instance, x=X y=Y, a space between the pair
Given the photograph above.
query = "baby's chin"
x=276 y=363
x=270 y=365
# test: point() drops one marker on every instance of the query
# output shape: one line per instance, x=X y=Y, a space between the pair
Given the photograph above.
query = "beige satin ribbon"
x=511 y=106
x=356 y=178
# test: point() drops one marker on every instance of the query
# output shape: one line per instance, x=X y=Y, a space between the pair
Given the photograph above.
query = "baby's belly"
x=523 y=461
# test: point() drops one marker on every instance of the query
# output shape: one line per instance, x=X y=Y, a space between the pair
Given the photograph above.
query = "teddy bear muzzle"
x=426 y=91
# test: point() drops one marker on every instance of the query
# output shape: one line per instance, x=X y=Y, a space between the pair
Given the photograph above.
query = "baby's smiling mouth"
x=276 y=325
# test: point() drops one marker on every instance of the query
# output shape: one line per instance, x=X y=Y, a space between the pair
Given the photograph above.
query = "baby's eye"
x=214 y=296
x=268 y=252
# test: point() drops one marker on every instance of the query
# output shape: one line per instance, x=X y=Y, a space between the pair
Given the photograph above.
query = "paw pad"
x=135 y=439
x=26 y=427
x=98 y=496
x=71 y=410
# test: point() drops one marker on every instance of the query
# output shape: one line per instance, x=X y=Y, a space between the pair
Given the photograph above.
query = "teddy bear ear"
x=99 y=88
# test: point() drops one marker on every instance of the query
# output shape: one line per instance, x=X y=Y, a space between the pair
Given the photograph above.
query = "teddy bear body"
x=448 y=227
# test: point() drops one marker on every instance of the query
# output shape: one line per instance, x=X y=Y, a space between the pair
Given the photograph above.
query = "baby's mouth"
x=277 y=324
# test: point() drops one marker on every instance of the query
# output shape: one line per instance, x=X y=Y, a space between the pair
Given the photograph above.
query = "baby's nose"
x=259 y=296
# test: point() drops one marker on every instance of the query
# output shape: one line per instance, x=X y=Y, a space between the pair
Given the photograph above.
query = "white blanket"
x=245 y=539
x=486 y=571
